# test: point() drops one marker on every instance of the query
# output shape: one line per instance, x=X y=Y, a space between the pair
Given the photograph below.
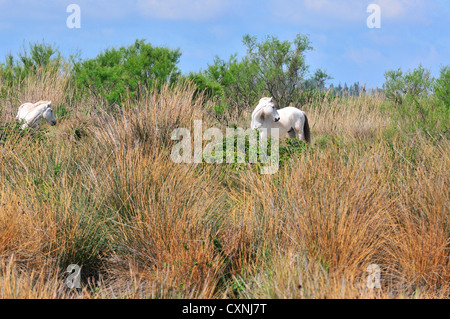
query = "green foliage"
x=41 y=57
x=206 y=86
x=242 y=153
x=117 y=74
x=61 y=111
x=8 y=130
x=318 y=81
x=280 y=65
x=238 y=83
x=411 y=86
x=393 y=87
x=353 y=90
x=442 y=87
x=420 y=101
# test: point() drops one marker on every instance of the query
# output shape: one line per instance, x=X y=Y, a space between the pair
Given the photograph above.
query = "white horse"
x=31 y=113
x=288 y=120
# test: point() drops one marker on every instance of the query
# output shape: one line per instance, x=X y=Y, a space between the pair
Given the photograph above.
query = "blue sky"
x=412 y=32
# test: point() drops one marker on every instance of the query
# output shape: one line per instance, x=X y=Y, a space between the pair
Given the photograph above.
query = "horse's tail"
x=306 y=130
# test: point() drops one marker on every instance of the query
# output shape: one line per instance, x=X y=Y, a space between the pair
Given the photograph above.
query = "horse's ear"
x=271 y=98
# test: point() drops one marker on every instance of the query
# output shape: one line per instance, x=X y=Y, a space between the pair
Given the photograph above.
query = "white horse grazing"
x=31 y=113
x=288 y=120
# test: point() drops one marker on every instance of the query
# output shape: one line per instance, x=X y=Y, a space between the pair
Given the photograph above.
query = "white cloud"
x=191 y=10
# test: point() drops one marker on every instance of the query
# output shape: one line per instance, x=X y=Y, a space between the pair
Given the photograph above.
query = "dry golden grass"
x=359 y=117
x=338 y=212
x=100 y=190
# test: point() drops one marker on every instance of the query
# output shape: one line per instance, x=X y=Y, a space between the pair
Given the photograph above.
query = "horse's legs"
x=301 y=136
x=297 y=131
x=292 y=133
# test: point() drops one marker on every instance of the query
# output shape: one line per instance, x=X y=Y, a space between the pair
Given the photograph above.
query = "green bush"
x=41 y=57
x=288 y=149
x=280 y=65
x=409 y=87
x=238 y=82
x=442 y=87
x=118 y=74
x=209 y=88
x=420 y=101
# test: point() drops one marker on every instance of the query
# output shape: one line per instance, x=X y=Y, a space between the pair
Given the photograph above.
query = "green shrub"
x=288 y=149
x=238 y=82
x=118 y=74
x=409 y=87
x=41 y=57
x=209 y=88
x=419 y=101
x=442 y=87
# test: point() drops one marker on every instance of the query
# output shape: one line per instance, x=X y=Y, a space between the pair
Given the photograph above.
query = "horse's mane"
x=256 y=112
x=41 y=102
x=262 y=102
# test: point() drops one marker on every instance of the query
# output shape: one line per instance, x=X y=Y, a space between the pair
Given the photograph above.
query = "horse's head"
x=48 y=114
x=270 y=110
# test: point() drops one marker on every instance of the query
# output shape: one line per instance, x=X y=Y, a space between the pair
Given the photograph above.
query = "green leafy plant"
x=280 y=65
x=118 y=74
x=39 y=57
x=410 y=86
x=420 y=101
x=442 y=87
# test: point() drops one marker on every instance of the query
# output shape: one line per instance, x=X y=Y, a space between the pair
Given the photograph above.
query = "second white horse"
x=288 y=120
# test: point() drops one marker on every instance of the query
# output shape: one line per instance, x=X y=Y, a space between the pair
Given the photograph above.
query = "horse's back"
x=292 y=118
x=291 y=113
x=28 y=111
x=24 y=109
x=291 y=109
